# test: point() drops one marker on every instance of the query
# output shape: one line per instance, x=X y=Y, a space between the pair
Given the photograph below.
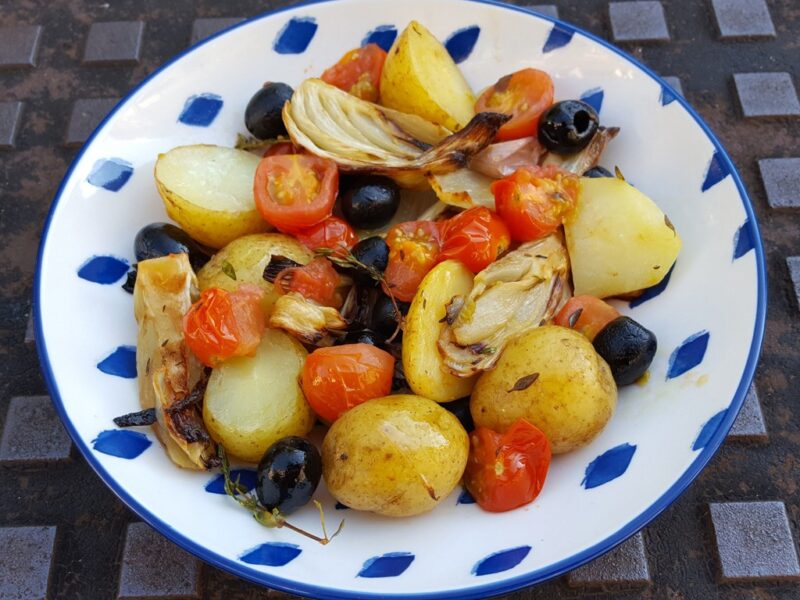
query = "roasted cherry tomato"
x=534 y=202
x=223 y=324
x=282 y=148
x=358 y=72
x=295 y=191
x=414 y=249
x=315 y=281
x=586 y=314
x=333 y=233
x=524 y=95
x=505 y=471
x=476 y=237
x=338 y=378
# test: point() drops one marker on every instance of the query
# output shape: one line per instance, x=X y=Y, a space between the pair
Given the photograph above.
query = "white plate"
x=709 y=320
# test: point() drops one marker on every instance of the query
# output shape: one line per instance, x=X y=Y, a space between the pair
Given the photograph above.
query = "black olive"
x=130 y=279
x=384 y=317
x=288 y=474
x=568 y=126
x=361 y=336
x=460 y=408
x=262 y=117
x=159 y=239
x=627 y=347
x=598 y=172
x=399 y=383
x=372 y=252
x=370 y=202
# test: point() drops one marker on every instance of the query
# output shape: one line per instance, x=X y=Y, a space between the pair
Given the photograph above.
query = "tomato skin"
x=476 y=237
x=414 y=249
x=534 y=202
x=333 y=233
x=315 y=281
x=282 y=149
x=524 y=95
x=338 y=378
x=295 y=191
x=358 y=72
x=223 y=324
x=506 y=471
x=594 y=315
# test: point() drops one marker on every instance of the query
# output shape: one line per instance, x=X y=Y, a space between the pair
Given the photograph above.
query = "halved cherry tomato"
x=282 y=148
x=338 y=378
x=414 y=249
x=358 y=72
x=505 y=471
x=586 y=314
x=223 y=324
x=534 y=202
x=295 y=191
x=333 y=233
x=476 y=237
x=315 y=281
x=524 y=95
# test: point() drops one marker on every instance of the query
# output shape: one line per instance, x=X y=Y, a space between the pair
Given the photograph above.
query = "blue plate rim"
x=479 y=591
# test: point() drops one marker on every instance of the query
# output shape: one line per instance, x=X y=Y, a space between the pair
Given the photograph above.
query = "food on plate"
x=414 y=249
x=586 y=315
x=463 y=188
x=288 y=474
x=311 y=323
x=208 y=191
x=358 y=72
x=627 y=347
x=568 y=126
x=396 y=456
x=371 y=253
x=370 y=202
x=523 y=95
x=160 y=239
x=262 y=116
x=553 y=378
x=420 y=77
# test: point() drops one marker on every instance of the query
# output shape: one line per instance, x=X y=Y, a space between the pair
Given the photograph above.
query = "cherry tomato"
x=223 y=324
x=505 y=471
x=315 y=281
x=586 y=314
x=524 y=95
x=295 y=191
x=413 y=251
x=338 y=378
x=533 y=202
x=358 y=72
x=282 y=148
x=333 y=233
x=476 y=237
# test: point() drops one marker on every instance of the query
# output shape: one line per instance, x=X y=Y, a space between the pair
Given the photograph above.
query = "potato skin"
x=252 y=402
x=571 y=400
x=248 y=256
x=396 y=456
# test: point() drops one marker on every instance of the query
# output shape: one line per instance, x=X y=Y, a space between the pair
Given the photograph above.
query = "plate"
x=662 y=435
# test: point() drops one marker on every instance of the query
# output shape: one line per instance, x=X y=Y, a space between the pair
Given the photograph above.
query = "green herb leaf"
x=228 y=269
x=244 y=142
x=573 y=318
x=618 y=173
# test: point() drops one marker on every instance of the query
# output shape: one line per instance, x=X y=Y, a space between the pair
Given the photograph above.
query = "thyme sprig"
x=245 y=142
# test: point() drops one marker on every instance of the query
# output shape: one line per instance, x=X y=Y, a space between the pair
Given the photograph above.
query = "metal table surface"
x=63 y=534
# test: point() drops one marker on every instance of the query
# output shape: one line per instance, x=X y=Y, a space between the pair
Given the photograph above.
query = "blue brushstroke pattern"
x=653 y=291
x=608 y=466
x=271 y=554
x=383 y=35
x=390 y=564
x=594 y=98
x=295 y=36
x=667 y=95
x=200 y=110
x=688 y=355
x=716 y=172
x=121 y=443
x=558 y=37
x=110 y=173
x=461 y=43
x=247 y=478
x=103 y=269
x=743 y=240
x=121 y=362
x=465 y=497
x=708 y=430
x=501 y=561
x=340 y=506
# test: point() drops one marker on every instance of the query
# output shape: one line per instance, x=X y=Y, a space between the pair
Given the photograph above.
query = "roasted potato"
x=396 y=456
x=423 y=365
x=420 y=77
x=619 y=241
x=208 y=190
x=252 y=402
x=552 y=377
x=248 y=256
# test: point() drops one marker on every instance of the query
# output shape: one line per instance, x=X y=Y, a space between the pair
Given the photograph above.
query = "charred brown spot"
x=343 y=456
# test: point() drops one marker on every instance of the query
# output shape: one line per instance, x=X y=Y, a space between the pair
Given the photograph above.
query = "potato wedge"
x=422 y=363
x=420 y=77
x=208 y=190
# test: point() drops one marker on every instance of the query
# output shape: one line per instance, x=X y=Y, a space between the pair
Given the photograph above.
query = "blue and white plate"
x=709 y=316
